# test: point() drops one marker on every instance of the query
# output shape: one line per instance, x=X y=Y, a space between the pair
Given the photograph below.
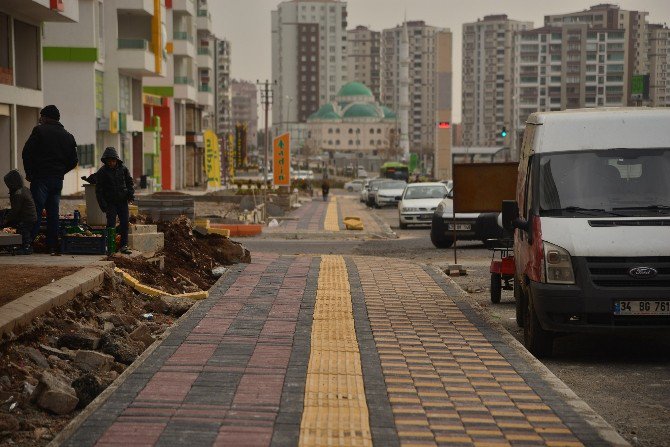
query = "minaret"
x=404 y=92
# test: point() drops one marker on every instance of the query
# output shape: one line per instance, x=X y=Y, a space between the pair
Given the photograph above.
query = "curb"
x=17 y=314
x=91 y=408
x=579 y=406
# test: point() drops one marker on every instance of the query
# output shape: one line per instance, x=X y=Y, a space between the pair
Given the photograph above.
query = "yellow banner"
x=212 y=159
x=281 y=155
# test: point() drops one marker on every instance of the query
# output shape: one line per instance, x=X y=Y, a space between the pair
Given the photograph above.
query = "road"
x=625 y=379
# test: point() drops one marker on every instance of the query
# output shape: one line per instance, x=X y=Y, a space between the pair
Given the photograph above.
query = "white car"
x=388 y=192
x=419 y=201
x=354 y=185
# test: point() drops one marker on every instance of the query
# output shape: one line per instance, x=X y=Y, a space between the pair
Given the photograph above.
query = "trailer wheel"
x=496 y=288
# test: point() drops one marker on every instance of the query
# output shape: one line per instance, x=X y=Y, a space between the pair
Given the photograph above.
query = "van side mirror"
x=398 y=198
x=510 y=213
x=450 y=194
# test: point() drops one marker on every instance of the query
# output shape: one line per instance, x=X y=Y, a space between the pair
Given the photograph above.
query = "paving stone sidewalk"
x=332 y=350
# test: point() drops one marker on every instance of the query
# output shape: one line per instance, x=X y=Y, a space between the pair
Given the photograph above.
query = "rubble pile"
x=68 y=356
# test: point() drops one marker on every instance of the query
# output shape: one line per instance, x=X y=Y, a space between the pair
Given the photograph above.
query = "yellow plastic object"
x=201 y=223
x=353 y=223
x=134 y=210
x=220 y=231
x=153 y=292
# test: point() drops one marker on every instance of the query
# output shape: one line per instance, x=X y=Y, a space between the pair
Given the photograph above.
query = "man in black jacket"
x=114 y=190
x=22 y=214
x=49 y=154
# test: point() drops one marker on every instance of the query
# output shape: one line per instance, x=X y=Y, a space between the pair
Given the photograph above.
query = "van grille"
x=613 y=271
x=630 y=223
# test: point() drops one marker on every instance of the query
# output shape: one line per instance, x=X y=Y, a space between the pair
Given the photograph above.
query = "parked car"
x=449 y=183
x=591 y=222
x=354 y=185
x=363 y=196
x=361 y=173
x=373 y=185
x=389 y=193
x=465 y=226
x=419 y=201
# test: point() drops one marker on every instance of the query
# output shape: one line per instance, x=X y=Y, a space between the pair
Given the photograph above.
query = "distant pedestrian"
x=22 y=215
x=49 y=154
x=114 y=190
x=325 y=189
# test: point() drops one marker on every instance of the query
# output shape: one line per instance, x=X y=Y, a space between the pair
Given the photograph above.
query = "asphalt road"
x=626 y=379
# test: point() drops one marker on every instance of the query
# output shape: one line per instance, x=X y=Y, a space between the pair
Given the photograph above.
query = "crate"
x=84 y=245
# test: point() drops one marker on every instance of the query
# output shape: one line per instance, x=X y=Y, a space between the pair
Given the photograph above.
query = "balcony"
x=204 y=21
x=183 y=44
x=136 y=58
x=184 y=7
x=205 y=59
x=137 y=7
x=41 y=10
x=205 y=96
x=184 y=88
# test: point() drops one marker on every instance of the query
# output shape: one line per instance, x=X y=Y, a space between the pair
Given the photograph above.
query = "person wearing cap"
x=49 y=153
x=114 y=190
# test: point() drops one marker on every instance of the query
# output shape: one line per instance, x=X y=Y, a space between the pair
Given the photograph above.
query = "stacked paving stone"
x=166 y=208
x=145 y=239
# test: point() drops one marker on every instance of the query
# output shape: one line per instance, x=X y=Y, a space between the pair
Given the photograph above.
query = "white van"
x=592 y=220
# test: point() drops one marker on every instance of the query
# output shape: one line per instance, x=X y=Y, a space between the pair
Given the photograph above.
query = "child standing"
x=114 y=190
x=22 y=215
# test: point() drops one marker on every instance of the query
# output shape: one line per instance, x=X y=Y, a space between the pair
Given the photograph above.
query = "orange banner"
x=281 y=167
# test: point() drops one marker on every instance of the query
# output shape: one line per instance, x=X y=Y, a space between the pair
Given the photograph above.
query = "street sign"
x=212 y=159
x=281 y=155
x=639 y=87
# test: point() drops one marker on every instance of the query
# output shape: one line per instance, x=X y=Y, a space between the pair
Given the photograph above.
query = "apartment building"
x=93 y=71
x=245 y=106
x=22 y=82
x=568 y=67
x=309 y=45
x=428 y=99
x=364 y=58
x=659 y=57
x=223 y=92
x=611 y=17
x=488 y=79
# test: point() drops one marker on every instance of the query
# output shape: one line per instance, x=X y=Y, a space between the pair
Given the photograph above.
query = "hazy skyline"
x=246 y=23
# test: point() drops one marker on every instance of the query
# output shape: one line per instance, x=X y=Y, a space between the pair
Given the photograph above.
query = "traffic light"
x=503 y=132
x=444 y=125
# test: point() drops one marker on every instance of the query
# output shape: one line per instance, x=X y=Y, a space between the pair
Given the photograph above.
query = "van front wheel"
x=538 y=341
x=519 y=302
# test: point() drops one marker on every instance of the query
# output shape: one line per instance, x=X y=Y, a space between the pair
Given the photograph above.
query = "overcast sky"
x=246 y=23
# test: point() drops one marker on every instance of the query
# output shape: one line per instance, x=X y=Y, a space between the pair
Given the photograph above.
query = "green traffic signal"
x=503 y=132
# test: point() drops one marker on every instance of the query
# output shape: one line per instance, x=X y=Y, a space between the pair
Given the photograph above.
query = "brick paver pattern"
x=447 y=384
x=309 y=217
x=228 y=375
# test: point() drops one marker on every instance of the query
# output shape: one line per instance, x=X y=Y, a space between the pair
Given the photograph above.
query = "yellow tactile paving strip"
x=332 y=222
x=446 y=383
x=335 y=410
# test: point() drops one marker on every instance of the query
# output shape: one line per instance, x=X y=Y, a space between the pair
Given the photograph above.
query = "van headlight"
x=557 y=265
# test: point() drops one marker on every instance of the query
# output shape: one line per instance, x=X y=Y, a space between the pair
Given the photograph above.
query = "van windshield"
x=614 y=182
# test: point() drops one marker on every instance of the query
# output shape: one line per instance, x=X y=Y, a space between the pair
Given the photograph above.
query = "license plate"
x=650 y=307
x=460 y=227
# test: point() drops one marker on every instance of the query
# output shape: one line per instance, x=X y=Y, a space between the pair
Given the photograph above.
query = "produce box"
x=83 y=244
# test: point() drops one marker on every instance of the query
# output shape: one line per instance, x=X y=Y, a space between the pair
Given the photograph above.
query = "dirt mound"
x=189 y=259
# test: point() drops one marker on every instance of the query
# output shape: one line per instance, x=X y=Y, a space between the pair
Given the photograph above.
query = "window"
x=86 y=155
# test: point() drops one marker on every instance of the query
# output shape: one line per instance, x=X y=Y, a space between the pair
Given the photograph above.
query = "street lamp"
x=288 y=118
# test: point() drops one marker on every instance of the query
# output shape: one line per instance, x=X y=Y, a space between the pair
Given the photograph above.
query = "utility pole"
x=267 y=96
